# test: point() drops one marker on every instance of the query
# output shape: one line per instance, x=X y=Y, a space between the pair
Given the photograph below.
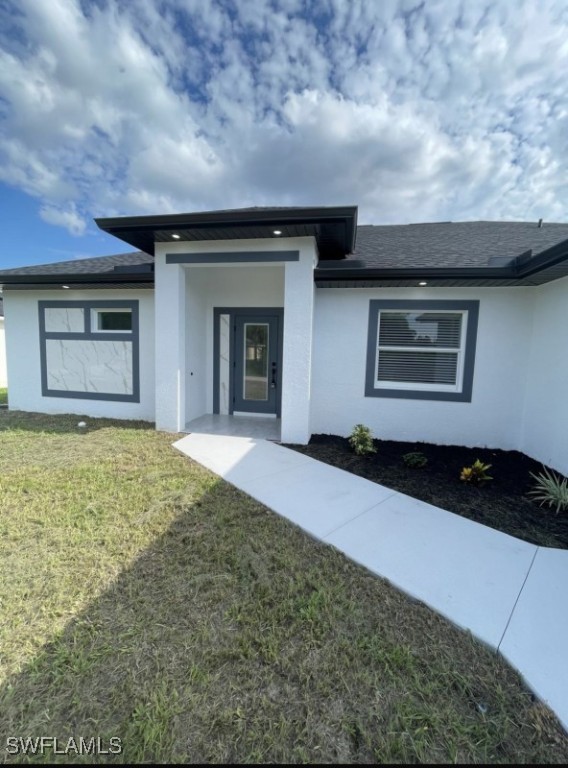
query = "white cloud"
x=412 y=110
x=68 y=218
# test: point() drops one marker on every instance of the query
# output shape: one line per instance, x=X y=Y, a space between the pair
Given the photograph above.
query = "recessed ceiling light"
x=65 y=286
x=277 y=232
x=176 y=237
x=423 y=282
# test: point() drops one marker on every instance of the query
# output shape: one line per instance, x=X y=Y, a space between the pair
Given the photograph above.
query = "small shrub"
x=361 y=440
x=550 y=489
x=476 y=474
x=415 y=459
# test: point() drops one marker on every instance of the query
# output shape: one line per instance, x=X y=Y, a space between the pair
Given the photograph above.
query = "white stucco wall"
x=3 y=369
x=23 y=355
x=492 y=419
x=521 y=369
x=170 y=372
x=545 y=433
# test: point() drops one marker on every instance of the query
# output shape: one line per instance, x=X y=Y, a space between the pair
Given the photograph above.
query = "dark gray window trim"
x=231 y=257
x=376 y=305
x=233 y=312
x=90 y=335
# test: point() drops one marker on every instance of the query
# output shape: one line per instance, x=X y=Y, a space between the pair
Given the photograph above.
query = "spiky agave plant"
x=550 y=489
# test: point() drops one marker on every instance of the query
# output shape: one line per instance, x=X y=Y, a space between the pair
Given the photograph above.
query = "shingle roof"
x=452 y=245
x=441 y=245
x=96 y=265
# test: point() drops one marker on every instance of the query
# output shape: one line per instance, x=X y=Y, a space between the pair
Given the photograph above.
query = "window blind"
x=419 y=347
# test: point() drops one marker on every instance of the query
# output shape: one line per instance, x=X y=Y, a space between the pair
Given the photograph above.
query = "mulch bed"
x=500 y=503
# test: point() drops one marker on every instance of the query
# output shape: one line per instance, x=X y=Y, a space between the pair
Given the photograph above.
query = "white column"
x=170 y=301
x=297 y=343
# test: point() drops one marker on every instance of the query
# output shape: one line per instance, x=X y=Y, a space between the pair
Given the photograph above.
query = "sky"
x=414 y=111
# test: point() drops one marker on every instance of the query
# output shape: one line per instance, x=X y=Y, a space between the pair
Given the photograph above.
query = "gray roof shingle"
x=453 y=245
x=477 y=244
x=96 y=265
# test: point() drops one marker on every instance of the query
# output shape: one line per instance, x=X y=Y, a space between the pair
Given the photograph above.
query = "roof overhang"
x=334 y=228
x=131 y=274
x=78 y=280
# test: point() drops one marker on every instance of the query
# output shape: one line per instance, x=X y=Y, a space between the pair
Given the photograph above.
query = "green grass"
x=143 y=598
x=3 y=395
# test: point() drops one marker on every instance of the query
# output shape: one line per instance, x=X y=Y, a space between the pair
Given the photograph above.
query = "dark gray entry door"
x=257 y=363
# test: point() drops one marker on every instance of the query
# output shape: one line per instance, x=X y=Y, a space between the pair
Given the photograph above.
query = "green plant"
x=476 y=474
x=361 y=440
x=415 y=459
x=550 y=489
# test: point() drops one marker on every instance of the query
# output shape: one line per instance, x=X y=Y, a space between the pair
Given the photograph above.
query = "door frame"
x=233 y=312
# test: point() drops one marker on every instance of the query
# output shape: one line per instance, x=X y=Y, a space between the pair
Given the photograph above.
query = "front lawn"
x=3 y=395
x=145 y=599
x=500 y=503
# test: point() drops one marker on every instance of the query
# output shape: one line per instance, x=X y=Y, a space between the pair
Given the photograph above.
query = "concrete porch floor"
x=257 y=427
x=505 y=591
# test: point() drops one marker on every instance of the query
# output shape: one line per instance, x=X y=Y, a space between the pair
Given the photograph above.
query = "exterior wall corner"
x=299 y=294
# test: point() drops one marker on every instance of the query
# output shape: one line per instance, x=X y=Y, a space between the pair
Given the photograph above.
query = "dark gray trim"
x=176 y=221
x=78 y=277
x=5 y=287
x=376 y=305
x=90 y=335
x=231 y=257
x=416 y=273
x=233 y=312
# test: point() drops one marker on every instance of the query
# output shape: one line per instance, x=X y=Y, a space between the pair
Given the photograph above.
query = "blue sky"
x=415 y=111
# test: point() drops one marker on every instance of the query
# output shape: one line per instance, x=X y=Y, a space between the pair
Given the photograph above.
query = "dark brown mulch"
x=501 y=503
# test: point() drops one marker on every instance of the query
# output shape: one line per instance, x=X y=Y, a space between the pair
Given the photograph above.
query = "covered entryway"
x=237 y=327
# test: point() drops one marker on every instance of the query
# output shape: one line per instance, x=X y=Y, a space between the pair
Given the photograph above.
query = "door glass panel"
x=255 y=385
x=224 y=362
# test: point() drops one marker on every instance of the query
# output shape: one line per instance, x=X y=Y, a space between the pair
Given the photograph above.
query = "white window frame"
x=422 y=386
x=96 y=312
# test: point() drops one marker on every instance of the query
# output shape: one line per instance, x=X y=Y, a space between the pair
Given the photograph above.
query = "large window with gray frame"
x=90 y=350
x=421 y=349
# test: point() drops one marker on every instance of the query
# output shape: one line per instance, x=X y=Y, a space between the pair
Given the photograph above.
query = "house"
x=452 y=333
x=3 y=371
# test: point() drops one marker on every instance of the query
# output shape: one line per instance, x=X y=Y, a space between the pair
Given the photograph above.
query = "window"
x=421 y=349
x=112 y=320
x=89 y=350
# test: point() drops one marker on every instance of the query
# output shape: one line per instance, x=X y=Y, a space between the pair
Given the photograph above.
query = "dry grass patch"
x=145 y=599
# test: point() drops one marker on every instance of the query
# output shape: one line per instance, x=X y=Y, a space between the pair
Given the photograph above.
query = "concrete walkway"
x=510 y=594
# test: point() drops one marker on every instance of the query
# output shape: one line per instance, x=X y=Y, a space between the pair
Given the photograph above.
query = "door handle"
x=273 y=382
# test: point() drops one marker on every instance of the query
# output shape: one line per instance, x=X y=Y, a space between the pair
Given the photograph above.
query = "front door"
x=257 y=363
